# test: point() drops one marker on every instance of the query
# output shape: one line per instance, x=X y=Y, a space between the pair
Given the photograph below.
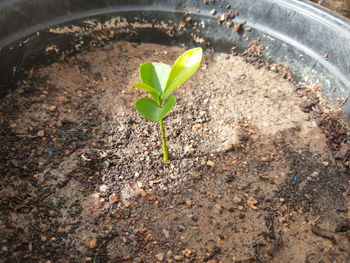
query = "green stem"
x=164 y=148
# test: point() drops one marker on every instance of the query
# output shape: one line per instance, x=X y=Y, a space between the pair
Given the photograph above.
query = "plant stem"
x=164 y=148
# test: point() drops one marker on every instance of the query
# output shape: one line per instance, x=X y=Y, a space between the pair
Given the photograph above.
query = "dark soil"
x=258 y=171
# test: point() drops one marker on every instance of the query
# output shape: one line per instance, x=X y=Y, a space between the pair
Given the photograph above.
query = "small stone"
x=103 y=188
x=307 y=105
x=141 y=185
x=189 y=202
x=196 y=127
x=188 y=149
x=52 y=213
x=248 y=29
x=160 y=256
x=142 y=229
x=13 y=125
x=236 y=27
x=143 y=193
x=325 y=164
x=92 y=243
x=187 y=252
x=342 y=208
x=236 y=199
x=152 y=199
x=166 y=233
x=264 y=159
x=252 y=202
x=213 y=12
x=112 y=199
x=315 y=174
x=43 y=238
x=178 y=257
x=211 y=163
x=62 y=99
x=240 y=207
x=52 y=108
x=40 y=133
x=202 y=113
x=273 y=68
x=228 y=145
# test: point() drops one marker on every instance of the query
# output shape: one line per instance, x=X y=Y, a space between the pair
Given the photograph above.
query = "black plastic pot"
x=299 y=33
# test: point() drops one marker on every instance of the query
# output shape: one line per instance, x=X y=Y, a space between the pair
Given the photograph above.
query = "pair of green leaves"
x=160 y=80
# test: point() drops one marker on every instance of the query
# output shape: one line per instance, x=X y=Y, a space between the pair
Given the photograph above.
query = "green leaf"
x=168 y=105
x=155 y=75
x=144 y=86
x=184 y=67
x=152 y=91
x=149 y=109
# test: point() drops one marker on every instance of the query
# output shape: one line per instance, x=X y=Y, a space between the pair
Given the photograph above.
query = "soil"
x=258 y=171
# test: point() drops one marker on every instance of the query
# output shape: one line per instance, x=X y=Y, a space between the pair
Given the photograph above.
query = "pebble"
x=213 y=12
x=52 y=108
x=273 y=68
x=189 y=202
x=211 y=163
x=251 y=202
x=314 y=174
x=13 y=125
x=112 y=199
x=141 y=185
x=166 y=233
x=187 y=252
x=236 y=199
x=62 y=99
x=178 y=257
x=240 y=207
x=92 y=243
x=325 y=164
x=189 y=149
x=228 y=145
x=40 y=133
x=264 y=159
x=103 y=188
x=52 y=213
x=196 y=127
x=160 y=256
x=143 y=193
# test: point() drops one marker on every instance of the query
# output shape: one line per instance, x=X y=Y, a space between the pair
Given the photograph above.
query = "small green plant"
x=160 y=80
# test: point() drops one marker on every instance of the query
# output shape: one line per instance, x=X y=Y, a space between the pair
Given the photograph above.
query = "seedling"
x=160 y=80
